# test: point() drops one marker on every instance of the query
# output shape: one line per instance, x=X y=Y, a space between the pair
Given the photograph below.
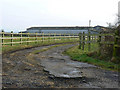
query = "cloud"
x=19 y=14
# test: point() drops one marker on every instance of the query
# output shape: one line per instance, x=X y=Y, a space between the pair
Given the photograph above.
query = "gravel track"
x=21 y=69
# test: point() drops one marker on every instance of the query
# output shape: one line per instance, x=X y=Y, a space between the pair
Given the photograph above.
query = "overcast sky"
x=17 y=15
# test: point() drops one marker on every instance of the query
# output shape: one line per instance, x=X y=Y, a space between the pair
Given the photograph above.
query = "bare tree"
x=118 y=19
x=117 y=23
x=118 y=13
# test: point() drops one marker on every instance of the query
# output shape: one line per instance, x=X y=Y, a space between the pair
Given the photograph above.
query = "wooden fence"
x=19 y=38
x=112 y=39
x=93 y=38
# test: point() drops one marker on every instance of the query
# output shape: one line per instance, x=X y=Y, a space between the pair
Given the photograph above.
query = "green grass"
x=45 y=49
x=82 y=56
x=7 y=48
x=40 y=38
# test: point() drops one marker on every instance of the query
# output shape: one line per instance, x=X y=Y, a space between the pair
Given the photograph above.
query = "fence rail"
x=93 y=38
x=19 y=38
x=102 y=39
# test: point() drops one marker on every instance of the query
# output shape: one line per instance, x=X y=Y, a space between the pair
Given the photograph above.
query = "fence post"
x=27 y=38
x=80 y=40
x=83 y=43
x=36 y=37
x=21 y=38
x=116 y=47
x=42 y=37
x=99 y=42
x=2 y=37
x=99 y=37
x=49 y=36
x=11 y=38
x=54 y=37
x=89 y=41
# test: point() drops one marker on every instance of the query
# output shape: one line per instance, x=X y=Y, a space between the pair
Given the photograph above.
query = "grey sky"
x=18 y=15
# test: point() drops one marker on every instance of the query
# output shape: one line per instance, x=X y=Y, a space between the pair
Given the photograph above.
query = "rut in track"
x=53 y=69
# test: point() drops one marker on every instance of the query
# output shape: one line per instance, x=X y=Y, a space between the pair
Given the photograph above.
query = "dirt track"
x=22 y=69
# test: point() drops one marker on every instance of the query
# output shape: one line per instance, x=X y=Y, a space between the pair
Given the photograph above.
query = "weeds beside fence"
x=102 y=40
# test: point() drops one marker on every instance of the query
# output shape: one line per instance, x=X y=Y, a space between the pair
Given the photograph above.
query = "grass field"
x=80 y=55
x=48 y=41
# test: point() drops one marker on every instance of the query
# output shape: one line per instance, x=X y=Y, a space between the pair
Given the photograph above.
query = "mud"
x=51 y=68
x=60 y=65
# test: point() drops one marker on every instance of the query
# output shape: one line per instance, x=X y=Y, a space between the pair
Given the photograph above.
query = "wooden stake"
x=80 y=39
x=2 y=37
x=11 y=38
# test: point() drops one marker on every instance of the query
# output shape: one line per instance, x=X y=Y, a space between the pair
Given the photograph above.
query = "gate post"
x=116 y=47
x=99 y=42
x=89 y=38
x=80 y=40
x=83 y=42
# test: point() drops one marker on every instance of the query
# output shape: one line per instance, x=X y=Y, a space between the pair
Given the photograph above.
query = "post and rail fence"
x=100 y=38
x=92 y=38
x=83 y=38
x=19 y=38
x=36 y=37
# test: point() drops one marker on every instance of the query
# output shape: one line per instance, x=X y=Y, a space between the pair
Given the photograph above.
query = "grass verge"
x=45 y=49
x=8 y=48
x=80 y=55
